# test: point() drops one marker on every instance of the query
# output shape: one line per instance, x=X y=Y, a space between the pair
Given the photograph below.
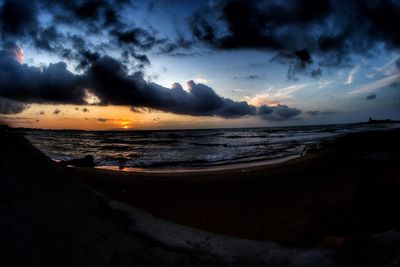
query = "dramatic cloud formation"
x=110 y=51
x=96 y=22
x=305 y=34
x=110 y=81
x=99 y=26
x=300 y=30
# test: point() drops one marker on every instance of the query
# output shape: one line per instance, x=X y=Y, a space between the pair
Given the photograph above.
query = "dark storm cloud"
x=11 y=107
x=95 y=15
x=20 y=20
x=256 y=24
x=277 y=113
x=112 y=83
x=370 y=97
x=299 y=62
x=304 y=34
x=133 y=90
x=300 y=30
x=18 y=17
x=56 y=111
x=284 y=112
x=52 y=84
x=137 y=37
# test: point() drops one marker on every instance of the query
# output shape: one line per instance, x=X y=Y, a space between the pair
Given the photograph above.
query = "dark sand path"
x=48 y=218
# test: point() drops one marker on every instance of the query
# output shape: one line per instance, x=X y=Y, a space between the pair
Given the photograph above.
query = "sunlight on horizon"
x=92 y=117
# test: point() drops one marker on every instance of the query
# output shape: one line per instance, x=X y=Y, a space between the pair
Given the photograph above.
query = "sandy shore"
x=243 y=166
x=344 y=192
x=335 y=207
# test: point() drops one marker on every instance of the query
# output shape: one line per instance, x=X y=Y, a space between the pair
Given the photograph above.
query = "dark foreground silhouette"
x=342 y=200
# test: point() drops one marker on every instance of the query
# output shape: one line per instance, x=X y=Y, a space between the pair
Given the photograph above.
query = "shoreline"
x=317 y=199
x=128 y=163
x=225 y=167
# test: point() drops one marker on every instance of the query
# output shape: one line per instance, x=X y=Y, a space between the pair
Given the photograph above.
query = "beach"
x=342 y=192
x=342 y=198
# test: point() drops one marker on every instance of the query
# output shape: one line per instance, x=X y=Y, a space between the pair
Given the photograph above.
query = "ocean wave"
x=186 y=148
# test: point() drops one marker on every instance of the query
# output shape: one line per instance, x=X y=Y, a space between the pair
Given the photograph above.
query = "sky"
x=121 y=64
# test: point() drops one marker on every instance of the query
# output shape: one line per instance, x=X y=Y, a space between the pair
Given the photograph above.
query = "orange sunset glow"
x=93 y=117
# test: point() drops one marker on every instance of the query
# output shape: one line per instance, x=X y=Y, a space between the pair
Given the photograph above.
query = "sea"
x=172 y=149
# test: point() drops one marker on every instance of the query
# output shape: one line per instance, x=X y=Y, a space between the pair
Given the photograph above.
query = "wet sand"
x=173 y=171
x=341 y=194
